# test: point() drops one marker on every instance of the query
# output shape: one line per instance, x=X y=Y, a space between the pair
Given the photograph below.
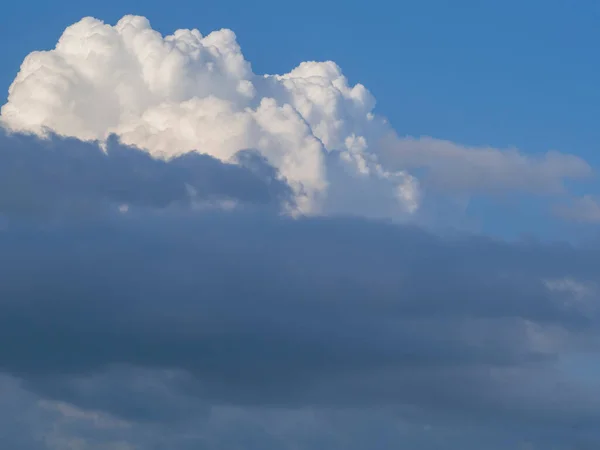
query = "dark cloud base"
x=249 y=309
x=55 y=176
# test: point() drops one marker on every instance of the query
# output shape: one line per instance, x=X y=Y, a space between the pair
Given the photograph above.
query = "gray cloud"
x=459 y=169
x=54 y=176
x=260 y=310
x=32 y=423
x=166 y=317
x=583 y=210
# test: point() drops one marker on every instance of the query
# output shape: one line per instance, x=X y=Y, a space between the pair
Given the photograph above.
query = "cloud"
x=37 y=424
x=260 y=311
x=153 y=295
x=583 y=210
x=54 y=176
x=172 y=316
x=454 y=168
x=188 y=92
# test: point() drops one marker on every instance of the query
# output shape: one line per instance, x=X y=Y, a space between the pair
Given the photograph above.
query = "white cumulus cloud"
x=184 y=92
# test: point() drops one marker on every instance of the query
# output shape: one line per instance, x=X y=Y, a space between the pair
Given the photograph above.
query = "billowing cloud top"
x=189 y=92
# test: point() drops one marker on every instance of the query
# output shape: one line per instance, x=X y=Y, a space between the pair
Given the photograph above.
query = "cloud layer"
x=56 y=176
x=174 y=310
x=154 y=318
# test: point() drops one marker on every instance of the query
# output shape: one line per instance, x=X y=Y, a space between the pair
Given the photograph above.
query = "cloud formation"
x=142 y=325
x=153 y=295
x=584 y=209
x=57 y=176
x=188 y=92
x=450 y=167
x=160 y=318
x=165 y=319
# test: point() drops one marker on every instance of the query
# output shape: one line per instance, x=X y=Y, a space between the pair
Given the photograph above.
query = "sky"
x=508 y=74
x=252 y=225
